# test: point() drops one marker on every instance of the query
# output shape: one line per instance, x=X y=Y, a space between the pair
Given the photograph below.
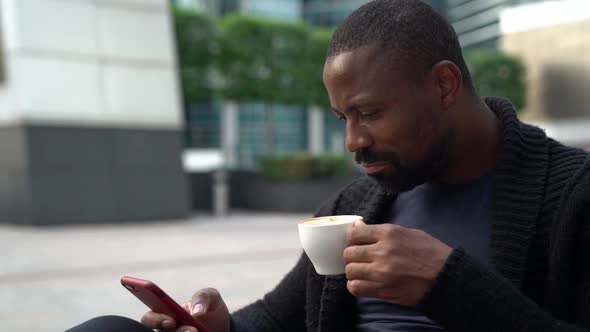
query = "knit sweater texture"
x=540 y=246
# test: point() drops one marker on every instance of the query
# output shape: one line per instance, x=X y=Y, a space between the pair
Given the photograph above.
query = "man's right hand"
x=206 y=305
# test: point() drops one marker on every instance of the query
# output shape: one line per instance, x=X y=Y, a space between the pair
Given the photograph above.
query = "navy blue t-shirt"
x=458 y=215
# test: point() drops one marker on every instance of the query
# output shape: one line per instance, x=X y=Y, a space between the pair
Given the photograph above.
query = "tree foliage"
x=315 y=56
x=248 y=58
x=261 y=60
x=196 y=40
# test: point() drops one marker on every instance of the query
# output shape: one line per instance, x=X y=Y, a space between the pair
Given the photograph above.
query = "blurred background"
x=182 y=140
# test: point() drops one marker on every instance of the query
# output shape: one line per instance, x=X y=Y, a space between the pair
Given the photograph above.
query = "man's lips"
x=373 y=168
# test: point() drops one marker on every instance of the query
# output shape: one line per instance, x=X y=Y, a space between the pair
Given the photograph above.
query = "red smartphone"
x=155 y=298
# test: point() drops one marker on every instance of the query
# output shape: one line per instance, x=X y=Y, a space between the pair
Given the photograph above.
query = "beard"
x=405 y=177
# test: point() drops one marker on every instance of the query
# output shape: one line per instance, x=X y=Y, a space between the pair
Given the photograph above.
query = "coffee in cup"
x=324 y=240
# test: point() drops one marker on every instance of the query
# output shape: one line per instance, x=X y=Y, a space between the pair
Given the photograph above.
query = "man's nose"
x=357 y=138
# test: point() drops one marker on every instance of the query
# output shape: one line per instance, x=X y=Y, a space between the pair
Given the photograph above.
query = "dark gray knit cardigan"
x=540 y=252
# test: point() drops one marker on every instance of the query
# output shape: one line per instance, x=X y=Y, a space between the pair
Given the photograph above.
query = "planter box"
x=201 y=185
x=249 y=191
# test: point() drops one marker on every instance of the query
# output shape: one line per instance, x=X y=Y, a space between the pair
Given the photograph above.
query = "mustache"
x=370 y=156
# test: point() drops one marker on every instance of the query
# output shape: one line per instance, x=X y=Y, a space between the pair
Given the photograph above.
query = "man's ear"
x=448 y=81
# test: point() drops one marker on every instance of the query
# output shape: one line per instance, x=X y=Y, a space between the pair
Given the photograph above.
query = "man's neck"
x=475 y=147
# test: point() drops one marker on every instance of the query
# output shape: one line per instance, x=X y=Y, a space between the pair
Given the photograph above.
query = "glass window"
x=282 y=130
x=203 y=125
x=334 y=134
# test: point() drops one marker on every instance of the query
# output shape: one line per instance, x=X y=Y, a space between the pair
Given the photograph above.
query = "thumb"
x=202 y=301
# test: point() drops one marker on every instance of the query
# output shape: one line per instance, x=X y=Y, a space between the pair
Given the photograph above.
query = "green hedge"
x=249 y=58
x=302 y=166
x=498 y=74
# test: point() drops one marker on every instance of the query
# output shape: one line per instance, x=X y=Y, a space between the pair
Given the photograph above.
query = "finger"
x=204 y=301
x=359 y=271
x=365 y=234
x=154 y=320
x=359 y=253
x=359 y=222
x=187 y=329
x=363 y=288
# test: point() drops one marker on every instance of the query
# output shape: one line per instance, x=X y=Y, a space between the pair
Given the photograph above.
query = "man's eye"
x=369 y=114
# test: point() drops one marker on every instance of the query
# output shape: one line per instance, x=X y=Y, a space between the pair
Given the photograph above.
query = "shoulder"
x=574 y=207
x=567 y=165
x=569 y=176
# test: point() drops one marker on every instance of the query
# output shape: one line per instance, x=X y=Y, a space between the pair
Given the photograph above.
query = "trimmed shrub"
x=498 y=74
x=303 y=166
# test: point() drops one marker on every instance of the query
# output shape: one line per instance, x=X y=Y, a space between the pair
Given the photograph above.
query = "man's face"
x=394 y=125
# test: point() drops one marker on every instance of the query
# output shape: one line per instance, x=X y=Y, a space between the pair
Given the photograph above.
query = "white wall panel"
x=8 y=112
x=92 y=62
x=47 y=88
x=142 y=3
x=52 y=25
x=135 y=34
x=543 y=14
x=141 y=95
x=9 y=22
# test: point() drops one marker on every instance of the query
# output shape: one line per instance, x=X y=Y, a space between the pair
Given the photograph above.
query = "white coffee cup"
x=324 y=241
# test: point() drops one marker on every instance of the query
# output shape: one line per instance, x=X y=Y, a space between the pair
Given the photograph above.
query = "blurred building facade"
x=330 y=13
x=90 y=115
x=554 y=45
x=477 y=22
x=288 y=10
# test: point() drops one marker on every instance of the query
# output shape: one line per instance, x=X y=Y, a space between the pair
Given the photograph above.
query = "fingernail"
x=198 y=308
x=167 y=324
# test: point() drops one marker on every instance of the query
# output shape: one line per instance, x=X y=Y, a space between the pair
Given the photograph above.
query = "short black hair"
x=416 y=33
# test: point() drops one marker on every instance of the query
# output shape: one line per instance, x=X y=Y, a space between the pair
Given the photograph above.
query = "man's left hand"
x=392 y=263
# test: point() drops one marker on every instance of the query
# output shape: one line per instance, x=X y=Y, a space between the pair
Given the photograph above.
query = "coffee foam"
x=331 y=220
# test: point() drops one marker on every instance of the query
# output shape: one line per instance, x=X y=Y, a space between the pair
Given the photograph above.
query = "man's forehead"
x=364 y=67
x=365 y=61
x=350 y=60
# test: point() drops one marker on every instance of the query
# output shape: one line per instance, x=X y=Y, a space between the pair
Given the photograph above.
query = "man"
x=475 y=221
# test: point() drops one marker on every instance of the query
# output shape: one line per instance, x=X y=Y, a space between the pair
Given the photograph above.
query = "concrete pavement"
x=54 y=278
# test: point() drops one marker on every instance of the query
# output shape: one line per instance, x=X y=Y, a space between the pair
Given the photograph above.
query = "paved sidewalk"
x=54 y=278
